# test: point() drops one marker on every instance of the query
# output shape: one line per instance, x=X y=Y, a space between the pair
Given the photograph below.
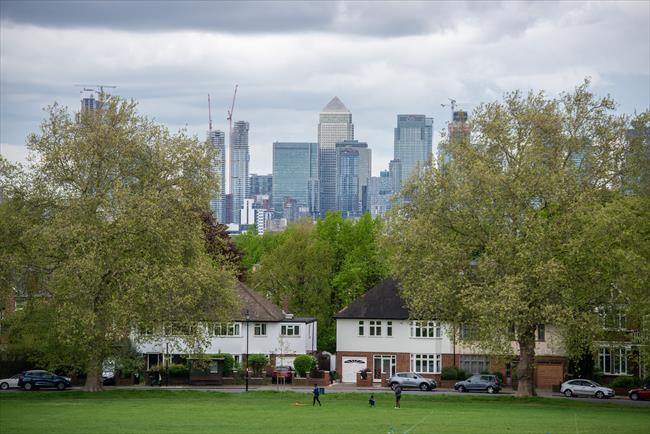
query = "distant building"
x=239 y=162
x=229 y=209
x=395 y=175
x=217 y=139
x=335 y=125
x=260 y=184
x=413 y=143
x=379 y=194
x=459 y=132
x=247 y=213
x=262 y=220
x=295 y=175
x=89 y=102
x=353 y=168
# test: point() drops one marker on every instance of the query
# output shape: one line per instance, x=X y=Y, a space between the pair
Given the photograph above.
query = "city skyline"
x=381 y=59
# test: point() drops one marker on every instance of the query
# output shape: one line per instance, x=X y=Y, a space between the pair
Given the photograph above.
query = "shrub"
x=499 y=375
x=364 y=373
x=178 y=370
x=449 y=373
x=228 y=364
x=304 y=363
x=626 y=382
x=258 y=362
x=597 y=375
x=462 y=375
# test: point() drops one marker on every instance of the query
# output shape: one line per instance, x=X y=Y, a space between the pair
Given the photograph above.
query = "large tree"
x=485 y=238
x=110 y=238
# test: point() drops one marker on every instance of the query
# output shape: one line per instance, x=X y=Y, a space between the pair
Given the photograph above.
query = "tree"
x=220 y=246
x=483 y=238
x=110 y=237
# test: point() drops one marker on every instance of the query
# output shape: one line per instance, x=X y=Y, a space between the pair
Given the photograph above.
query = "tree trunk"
x=94 y=375
x=526 y=366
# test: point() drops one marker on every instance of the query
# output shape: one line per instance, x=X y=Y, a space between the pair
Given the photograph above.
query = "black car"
x=30 y=380
x=482 y=382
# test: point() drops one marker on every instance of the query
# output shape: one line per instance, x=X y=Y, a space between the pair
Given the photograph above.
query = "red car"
x=285 y=372
x=643 y=393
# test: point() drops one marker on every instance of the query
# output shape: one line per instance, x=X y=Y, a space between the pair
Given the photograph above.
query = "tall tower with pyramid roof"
x=335 y=125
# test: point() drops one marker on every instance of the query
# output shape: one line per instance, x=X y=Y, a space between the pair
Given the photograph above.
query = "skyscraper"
x=239 y=160
x=295 y=176
x=217 y=139
x=335 y=125
x=459 y=131
x=260 y=184
x=353 y=168
x=413 y=142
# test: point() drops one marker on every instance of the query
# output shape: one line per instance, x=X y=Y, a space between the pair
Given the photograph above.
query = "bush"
x=597 y=375
x=499 y=375
x=449 y=373
x=462 y=375
x=228 y=364
x=178 y=370
x=304 y=363
x=258 y=362
x=626 y=382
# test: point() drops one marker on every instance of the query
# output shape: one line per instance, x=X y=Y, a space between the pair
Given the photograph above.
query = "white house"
x=260 y=328
x=375 y=332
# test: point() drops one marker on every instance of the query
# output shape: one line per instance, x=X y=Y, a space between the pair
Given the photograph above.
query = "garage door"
x=549 y=374
x=352 y=365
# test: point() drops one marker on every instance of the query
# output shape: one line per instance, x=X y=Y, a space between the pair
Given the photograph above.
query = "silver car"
x=411 y=379
x=585 y=388
x=6 y=383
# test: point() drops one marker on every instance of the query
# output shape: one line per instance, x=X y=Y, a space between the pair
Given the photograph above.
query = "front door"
x=383 y=364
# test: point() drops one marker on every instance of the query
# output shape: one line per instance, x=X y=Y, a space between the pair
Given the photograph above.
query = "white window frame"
x=294 y=328
x=613 y=360
x=232 y=329
x=389 y=329
x=426 y=363
x=426 y=330
x=361 y=329
x=261 y=327
x=374 y=328
x=480 y=361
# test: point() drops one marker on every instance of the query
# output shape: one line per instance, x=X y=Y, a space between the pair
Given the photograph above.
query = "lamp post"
x=247 y=319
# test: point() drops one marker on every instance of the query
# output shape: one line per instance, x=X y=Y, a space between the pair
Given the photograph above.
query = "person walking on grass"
x=398 y=395
x=371 y=401
x=316 y=395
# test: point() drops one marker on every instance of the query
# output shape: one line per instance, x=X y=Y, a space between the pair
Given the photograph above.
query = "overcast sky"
x=291 y=58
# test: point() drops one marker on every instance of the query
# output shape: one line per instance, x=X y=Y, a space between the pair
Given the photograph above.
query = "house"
x=376 y=332
x=259 y=328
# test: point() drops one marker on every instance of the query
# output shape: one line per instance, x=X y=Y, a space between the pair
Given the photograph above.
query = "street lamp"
x=248 y=317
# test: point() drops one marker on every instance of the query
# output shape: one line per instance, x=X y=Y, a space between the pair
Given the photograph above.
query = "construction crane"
x=94 y=87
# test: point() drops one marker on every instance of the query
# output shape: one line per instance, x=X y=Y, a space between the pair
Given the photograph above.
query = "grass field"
x=160 y=411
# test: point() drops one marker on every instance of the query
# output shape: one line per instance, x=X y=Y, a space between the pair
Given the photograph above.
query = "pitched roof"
x=261 y=309
x=380 y=302
x=335 y=106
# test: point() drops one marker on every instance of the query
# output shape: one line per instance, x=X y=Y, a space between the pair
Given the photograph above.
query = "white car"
x=6 y=383
x=585 y=388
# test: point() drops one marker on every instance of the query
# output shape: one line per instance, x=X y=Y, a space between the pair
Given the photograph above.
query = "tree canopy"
x=103 y=235
x=497 y=236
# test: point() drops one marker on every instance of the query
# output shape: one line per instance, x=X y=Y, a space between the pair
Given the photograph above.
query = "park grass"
x=164 y=411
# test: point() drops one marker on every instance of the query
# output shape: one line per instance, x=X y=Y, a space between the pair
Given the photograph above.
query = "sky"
x=290 y=58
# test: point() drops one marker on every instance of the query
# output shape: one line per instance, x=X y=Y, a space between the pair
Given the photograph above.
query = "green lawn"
x=160 y=411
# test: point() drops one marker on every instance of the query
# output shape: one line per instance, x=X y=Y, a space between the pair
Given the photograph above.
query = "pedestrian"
x=316 y=394
x=371 y=401
x=398 y=395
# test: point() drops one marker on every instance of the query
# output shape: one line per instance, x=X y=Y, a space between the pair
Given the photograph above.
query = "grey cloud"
x=357 y=17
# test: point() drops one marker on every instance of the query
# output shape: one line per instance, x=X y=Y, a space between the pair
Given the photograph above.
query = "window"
x=374 y=329
x=178 y=329
x=290 y=330
x=389 y=328
x=541 y=332
x=425 y=329
x=425 y=363
x=227 y=329
x=259 y=329
x=474 y=364
x=613 y=360
x=468 y=331
x=360 y=328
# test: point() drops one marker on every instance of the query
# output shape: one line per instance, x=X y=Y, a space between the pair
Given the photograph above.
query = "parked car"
x=411 y=379
x=108 y=378
x=479 y=382
x=12 y=381
x=30 y=380
x=634 y=394
x=285 y=372
x=583 y=387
